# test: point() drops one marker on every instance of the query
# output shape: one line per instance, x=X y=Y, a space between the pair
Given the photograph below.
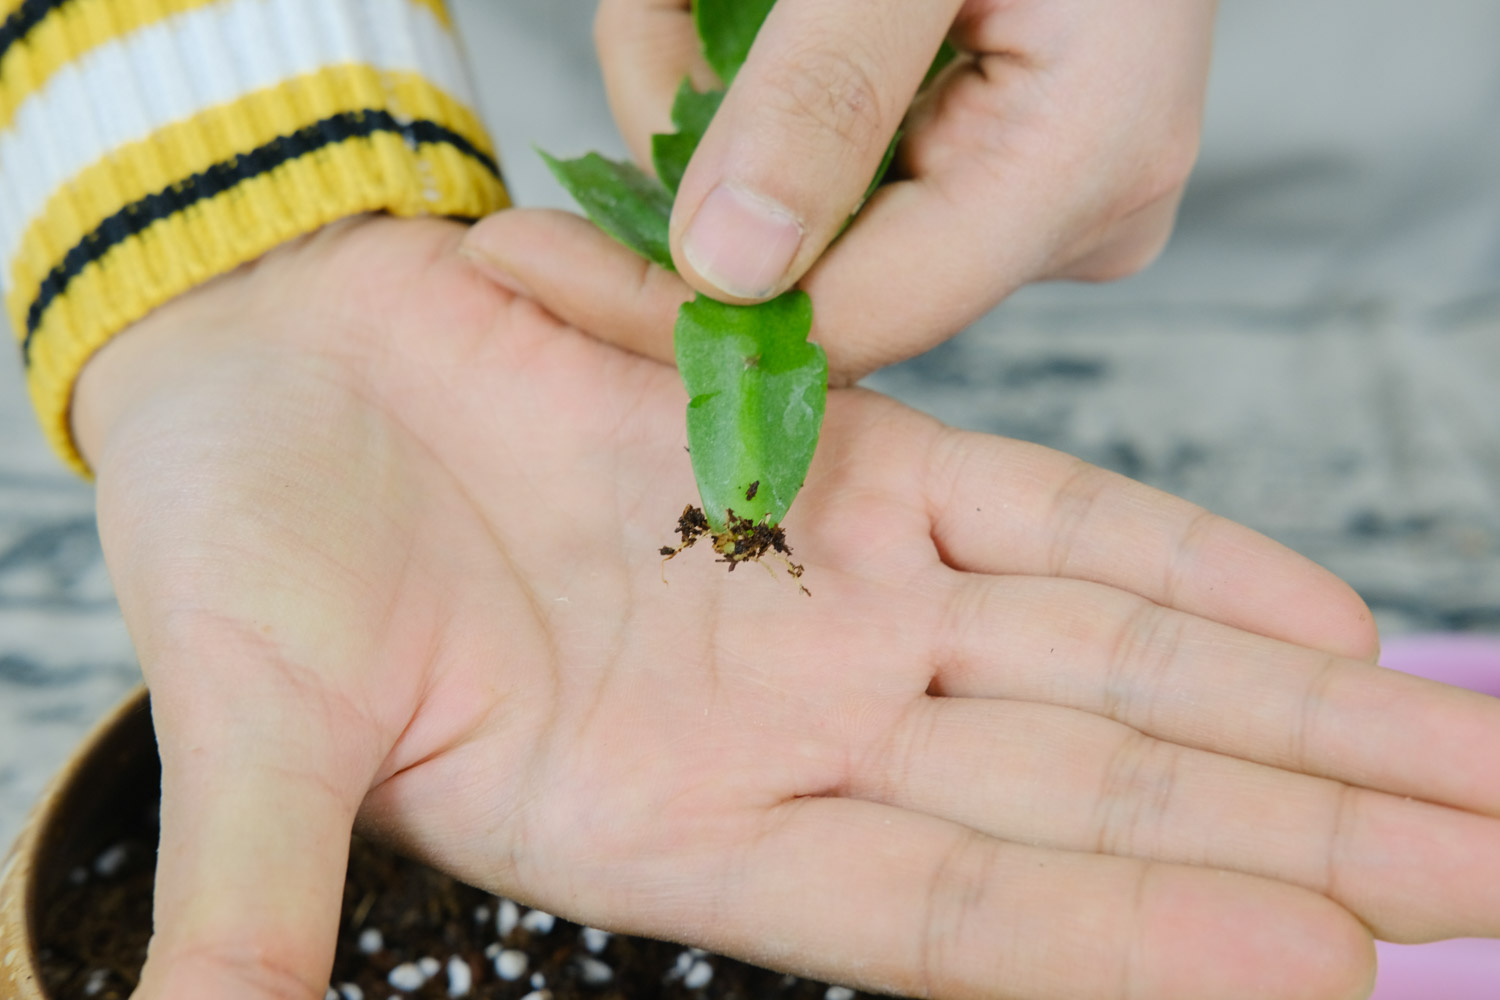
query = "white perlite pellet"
x=699 y=976
x=111 y=860
x=839 y=993
x=429 y=966
x=351 y=991
x=332 y=994
x=491 y=950
x=371 y=940
x=481 y=914
x=460 y=977
x=594 y=939
x=593 y=971
x=507 y=915
x=681 y=966
x=538 y=921
x=538 y=980
x=96 y=981
x=510 y=964
x=538 y=995
x=406 y=976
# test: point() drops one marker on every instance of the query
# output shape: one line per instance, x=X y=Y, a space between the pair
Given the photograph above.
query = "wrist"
x=175 y=346
x=315 y=299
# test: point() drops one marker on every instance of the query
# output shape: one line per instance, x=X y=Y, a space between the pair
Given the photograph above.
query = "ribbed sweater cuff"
x=149 y=145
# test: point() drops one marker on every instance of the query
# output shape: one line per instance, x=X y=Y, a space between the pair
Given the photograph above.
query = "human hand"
x=384 y=537
x=1058 y=147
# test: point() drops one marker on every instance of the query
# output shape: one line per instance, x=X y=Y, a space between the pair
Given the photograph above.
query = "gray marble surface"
x=1316 y=355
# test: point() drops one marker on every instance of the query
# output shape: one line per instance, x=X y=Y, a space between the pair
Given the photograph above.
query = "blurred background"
x=1316 y=355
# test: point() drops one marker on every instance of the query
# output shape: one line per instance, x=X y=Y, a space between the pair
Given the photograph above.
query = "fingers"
x=258 y=800
x=1006 y=507
x=1059 y=150
x=626 y=300
x=1054 y=777
x=645 y=49
x=1197 y=683
x=798 y=139
x=930 y=255
x=895 y=901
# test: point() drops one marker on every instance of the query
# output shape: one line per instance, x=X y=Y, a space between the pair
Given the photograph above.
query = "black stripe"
x=23 y=19
x=137 y=216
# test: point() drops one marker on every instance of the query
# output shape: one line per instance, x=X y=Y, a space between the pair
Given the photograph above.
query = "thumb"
x=258 y=802
x=798 y=139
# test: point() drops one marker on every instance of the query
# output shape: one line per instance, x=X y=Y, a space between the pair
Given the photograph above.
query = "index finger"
x=1008 y=507
x=798 y=139
x=645 y=49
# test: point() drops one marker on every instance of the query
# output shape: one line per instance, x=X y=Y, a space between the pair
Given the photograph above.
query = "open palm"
x=385 y=537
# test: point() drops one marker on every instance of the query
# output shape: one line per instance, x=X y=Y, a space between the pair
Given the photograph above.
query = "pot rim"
x=21 y=871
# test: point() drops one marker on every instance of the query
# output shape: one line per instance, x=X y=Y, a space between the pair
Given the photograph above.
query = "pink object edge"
x=1467 y=969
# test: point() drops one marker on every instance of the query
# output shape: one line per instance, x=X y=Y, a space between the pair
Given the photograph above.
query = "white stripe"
x=124 y=90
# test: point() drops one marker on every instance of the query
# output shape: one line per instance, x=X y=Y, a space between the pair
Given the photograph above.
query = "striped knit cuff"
x=149 y=145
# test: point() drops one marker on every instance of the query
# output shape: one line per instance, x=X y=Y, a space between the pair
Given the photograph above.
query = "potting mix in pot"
x=406 y=932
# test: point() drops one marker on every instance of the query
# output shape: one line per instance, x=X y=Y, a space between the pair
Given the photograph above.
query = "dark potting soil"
x=406 y=932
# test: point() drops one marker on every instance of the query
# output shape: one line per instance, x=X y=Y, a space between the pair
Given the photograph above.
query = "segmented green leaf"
x=622 y=200
x=691 y=113
x=670 y=153
x=726 y=29
x=757 y=391
x=880 y=172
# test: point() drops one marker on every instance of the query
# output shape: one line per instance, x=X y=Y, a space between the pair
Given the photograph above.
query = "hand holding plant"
x=756 y=387
x=375 y=526
x=1056 y=146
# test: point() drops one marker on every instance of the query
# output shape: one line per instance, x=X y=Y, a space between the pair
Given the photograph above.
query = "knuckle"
x=1131 y=246
x=1072 y=507
x=829 y=91
x=1188 y=554
x=1135 y=796
x=956 y=894
x=1336 y=852
x=1165 y=173
x=1142 y=659
x=1307 y=735
x=251 y=973
x=1140 y=220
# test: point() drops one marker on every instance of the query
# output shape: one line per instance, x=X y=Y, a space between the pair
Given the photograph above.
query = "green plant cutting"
x=756 y=387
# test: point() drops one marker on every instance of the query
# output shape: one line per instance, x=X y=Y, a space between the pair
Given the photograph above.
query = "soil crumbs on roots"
x=742 y=540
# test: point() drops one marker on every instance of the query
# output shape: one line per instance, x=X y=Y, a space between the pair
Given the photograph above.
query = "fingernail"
x=742 y=243
x=494 y=271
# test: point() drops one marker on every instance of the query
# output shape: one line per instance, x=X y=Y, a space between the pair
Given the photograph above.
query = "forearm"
x=147 y=147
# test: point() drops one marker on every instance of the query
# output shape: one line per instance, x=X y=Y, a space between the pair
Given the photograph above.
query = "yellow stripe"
x=439 y=9
x=132 y=172
x=74 y=29
x=69 y=32
x=375 y=173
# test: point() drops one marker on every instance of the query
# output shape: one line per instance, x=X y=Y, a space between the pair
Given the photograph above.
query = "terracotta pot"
x=111 y=774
